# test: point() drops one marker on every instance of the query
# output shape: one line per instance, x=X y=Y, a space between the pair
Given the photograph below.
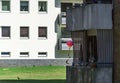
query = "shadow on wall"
x=33 y=81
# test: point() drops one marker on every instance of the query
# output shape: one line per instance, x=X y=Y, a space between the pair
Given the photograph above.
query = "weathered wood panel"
x=80 y=47
x=90 y=16
x=88 y=75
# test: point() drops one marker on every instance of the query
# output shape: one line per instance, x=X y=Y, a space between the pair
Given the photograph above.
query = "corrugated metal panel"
x=74 y=18
x=90 y=16
x=77 y=18
x=105 y=47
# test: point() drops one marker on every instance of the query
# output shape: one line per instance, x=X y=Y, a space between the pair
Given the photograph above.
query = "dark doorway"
x=92 y=49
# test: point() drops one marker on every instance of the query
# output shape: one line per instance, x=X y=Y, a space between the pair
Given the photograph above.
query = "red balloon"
x=69 y=44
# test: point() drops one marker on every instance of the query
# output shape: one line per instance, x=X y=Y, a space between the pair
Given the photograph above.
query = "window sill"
x=5 y=55
x=24 y=55
x=5 y=11
x=24 y=12
x=42 y=12
x=5 y=38
x=24 y=38
x=42 y=55
x=42 y=38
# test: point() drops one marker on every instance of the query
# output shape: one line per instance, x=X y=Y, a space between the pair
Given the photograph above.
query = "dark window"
x=24 y=6
x=42 y=32
x=24 y=53
x=92 y=48
x=5 y=31
x=63 y=41
x=5 y=53
x=64 y=6
x=42 y=6
x=42 y=53
x=5 y=5
x=24 y=31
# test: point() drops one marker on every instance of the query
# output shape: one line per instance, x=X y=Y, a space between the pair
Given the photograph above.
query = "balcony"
x=63 y=19
x=63 y=44
x=89 y=16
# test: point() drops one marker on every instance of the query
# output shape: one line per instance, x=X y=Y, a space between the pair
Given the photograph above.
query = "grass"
x=35 y=74
x=32 y=81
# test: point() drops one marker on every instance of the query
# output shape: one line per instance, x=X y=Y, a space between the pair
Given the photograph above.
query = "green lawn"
x=42 y=74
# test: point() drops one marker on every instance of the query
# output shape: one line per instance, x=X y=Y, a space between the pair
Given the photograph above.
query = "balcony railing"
x=63 y=44
x=89 y=16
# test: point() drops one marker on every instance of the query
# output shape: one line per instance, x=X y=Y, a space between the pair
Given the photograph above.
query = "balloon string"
x=67 y=61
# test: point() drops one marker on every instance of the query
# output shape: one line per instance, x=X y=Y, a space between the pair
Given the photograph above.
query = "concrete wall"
x=103 y=75
x=34 y=62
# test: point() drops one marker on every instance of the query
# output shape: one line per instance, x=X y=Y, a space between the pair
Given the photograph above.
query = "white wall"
x=33 y=19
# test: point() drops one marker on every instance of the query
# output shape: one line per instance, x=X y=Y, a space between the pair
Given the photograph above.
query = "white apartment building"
x=27 y=29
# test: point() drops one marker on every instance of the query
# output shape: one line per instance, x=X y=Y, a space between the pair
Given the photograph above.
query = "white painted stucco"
x=33 y=19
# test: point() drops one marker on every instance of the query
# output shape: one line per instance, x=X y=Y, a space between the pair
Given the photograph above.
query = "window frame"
x=1 y=32
x=26 y=37
x=28 y=6
x=46 y=6
x=42 y=37
x=5 y=11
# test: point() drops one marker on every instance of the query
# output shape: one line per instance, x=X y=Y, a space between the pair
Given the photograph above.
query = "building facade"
x=63 y=35
x=27 y=29
x=91 y=25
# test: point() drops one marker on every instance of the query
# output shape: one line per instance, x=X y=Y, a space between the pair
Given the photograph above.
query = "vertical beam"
x=116 y=49
x=80 y=47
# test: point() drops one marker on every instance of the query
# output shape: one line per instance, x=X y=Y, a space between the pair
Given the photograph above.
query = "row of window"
x=24 y=6
x=24 y=54
x=24 y=32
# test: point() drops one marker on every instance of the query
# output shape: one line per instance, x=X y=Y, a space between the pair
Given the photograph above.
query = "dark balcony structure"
x=92 y=35
x=98 y=1
x=89 y=16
